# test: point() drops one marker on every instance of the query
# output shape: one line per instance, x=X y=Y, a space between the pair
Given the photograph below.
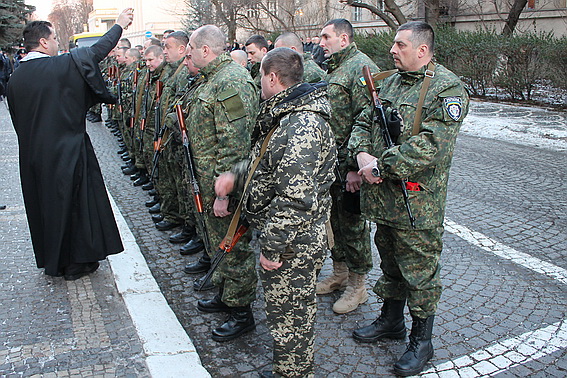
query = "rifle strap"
x=429 y=73
x=236 y=216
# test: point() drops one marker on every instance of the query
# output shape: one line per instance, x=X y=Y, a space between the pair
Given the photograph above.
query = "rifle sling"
x=227 y=241
x=429 y=73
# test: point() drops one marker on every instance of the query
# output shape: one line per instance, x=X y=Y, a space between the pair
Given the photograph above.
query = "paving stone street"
x=503 y=311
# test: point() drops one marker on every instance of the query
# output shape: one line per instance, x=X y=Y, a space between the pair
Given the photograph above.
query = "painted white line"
x=501 y=250
x=170 y=353
x=506 y=354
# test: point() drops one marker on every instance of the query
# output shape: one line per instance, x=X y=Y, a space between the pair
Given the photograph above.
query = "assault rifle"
x=379 y=117
x=133 y=110
x=144 y=113
x=119 y=92
x=226 y=246
x=159 y=130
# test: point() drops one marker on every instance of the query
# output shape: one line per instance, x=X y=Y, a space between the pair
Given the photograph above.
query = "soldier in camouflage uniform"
x=173 y=187
x=288 y=201
x=129 y=75
x=219 y=124
x=156 y=68
x=312 y=73
x=168 y=169
x=352 y=257
x=410 y=257
x=256 y=48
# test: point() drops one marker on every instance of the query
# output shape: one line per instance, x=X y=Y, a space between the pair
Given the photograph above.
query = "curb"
x=169 y=351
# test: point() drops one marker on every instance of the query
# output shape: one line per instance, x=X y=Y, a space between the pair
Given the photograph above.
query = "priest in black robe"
x=70 y=218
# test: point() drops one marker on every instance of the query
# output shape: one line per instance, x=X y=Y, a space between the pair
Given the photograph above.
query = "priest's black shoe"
x=201 y=266
x=419 y=349
x=212 y=305
x=142 y=180
x=194 y=245
x=166 y=225
x=152 y=202
x=390 y=324
x=155 y=209
x=199 y=285
x=183 y=236
x=136 y=175
x=75 y=271
x=148 y=186
x=157 y=218
x=130 y=170
x=239 y=321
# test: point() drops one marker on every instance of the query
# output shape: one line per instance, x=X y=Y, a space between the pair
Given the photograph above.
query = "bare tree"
x=392 y=15
x=69 y=17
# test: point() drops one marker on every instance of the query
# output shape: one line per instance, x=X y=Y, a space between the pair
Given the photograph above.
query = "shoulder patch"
x=361 y=81
x=230 y=100
x=453 y=107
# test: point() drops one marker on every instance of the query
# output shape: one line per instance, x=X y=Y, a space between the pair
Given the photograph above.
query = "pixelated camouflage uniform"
x=312 y=73
x=219 y=123
x=140 y=112
x=162 y=73
x=410 y=257
x=349 y=98
x=184 y=97
x=169 y=169
x=126 y=78
x=288 y=200
x=256 y=75
x=116 y=114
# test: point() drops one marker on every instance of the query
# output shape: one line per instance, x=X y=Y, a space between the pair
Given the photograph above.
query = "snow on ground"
x=530 y=126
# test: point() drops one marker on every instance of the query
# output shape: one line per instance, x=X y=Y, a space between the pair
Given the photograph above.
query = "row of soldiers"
x=189 y=112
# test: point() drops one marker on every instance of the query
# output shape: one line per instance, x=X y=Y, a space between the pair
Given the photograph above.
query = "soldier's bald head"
x=209 y=35
x=290 y=40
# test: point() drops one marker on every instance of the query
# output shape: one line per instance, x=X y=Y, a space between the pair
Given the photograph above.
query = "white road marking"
x=490 y=245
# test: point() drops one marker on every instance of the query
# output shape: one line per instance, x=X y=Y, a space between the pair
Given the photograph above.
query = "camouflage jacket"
x=162 y=73
x=424 y=158
x=184 y=96
x=348 y=96
x=174 y=87
x=289 y=192
x=126 y=79
x=256 y=75
x=312 y=73
x=219 y=120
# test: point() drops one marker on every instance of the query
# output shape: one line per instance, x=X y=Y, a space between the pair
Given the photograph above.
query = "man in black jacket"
x=71 y=222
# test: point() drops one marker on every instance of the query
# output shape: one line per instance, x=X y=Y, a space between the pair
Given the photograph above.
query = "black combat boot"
x=213 y=305
x=201 y=266
x=239 y=321
x=201 y=285
x=419 y=350
x=187 y=233
x=390 y=324
x=193 y=246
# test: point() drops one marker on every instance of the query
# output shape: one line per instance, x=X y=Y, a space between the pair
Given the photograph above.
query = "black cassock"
x=67 y=207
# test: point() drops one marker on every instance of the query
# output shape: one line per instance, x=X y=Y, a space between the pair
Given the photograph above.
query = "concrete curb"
x=169 y=351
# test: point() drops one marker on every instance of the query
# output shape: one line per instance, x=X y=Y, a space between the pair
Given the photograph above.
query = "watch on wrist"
x=375 y=171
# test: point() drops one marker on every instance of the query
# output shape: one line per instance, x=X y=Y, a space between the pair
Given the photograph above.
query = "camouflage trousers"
x=291 y=305
x=236 y=275
x=352 y=236
x=410 y=267
x=127 y=135
x=169 y=171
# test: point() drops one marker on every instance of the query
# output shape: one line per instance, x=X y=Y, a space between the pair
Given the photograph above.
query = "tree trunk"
x=513 y=17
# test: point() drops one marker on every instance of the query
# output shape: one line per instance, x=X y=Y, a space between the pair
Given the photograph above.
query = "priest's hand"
x=125 y=18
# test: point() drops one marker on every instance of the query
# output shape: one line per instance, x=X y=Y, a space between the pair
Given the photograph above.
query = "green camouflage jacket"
x=348 y=96
x=289 y=192
x=175 y=86
x=424 y=158
x=126 y=79
x=162 y=73
x=219 y=120
x=312 y=73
